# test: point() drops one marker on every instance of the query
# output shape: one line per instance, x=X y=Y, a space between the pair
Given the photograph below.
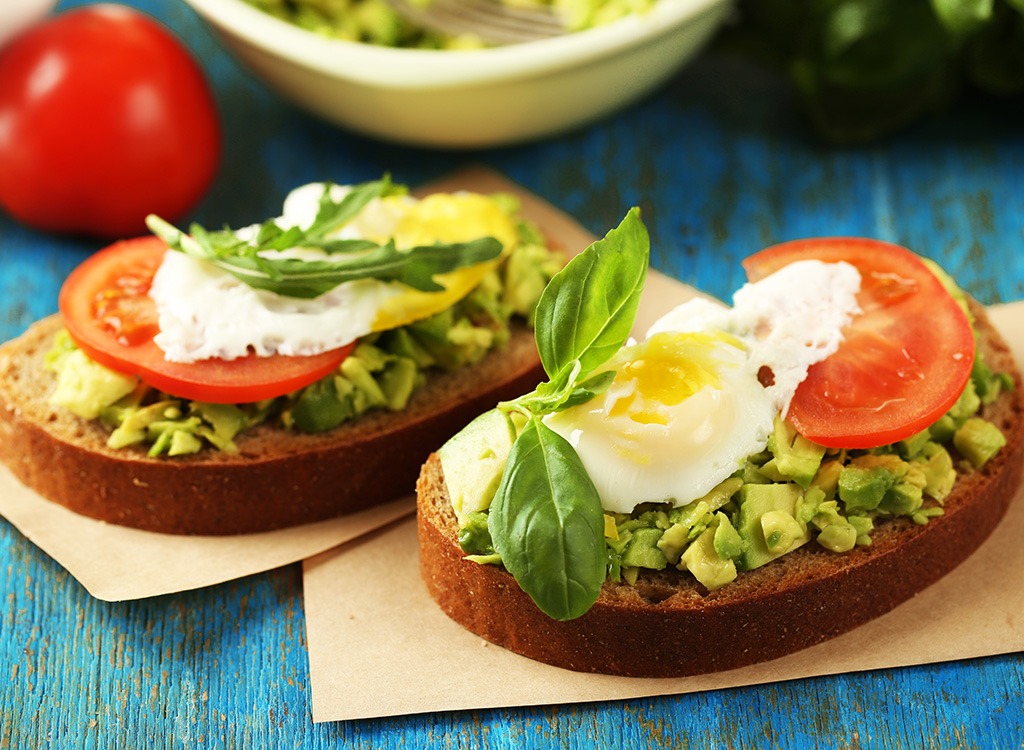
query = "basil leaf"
x=588 y=308
x=548 y=398
x=547 y=524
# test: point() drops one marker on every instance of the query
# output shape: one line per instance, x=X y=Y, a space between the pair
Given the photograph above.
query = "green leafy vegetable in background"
x=865 y=68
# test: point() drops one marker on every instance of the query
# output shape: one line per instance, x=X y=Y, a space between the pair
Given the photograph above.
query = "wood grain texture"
x=721 y=164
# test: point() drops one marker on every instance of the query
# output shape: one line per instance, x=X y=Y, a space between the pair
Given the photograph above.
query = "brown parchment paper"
x=115 y=563
x=379 y=646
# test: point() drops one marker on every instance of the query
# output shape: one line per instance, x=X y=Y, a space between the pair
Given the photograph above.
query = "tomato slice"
x=903 y=362
x=110 y=316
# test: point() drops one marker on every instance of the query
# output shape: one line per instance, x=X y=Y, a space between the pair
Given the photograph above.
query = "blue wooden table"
x=722 y=164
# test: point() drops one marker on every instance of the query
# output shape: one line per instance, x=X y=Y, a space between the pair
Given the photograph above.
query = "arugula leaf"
x=587 y=310
x=547 y=524
x=332 y=215
x=255 y=262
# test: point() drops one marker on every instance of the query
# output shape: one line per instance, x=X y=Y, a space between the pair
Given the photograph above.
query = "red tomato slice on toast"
x=903 y=362
x=110 y=316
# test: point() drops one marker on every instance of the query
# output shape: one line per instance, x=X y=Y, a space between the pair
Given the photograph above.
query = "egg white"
x=683 y=413
x=204 y=312
x=687 y=407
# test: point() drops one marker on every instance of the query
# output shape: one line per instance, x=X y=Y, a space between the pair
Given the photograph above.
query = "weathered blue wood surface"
x=722 y=165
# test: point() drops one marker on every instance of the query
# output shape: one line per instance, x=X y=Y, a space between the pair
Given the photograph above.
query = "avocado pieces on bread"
x=680 y=628
x=424 y=363
x=276 y=478
x=953 y=463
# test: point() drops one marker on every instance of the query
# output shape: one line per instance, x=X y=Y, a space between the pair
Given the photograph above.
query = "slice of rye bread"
x=668 y=625
x=277 y=478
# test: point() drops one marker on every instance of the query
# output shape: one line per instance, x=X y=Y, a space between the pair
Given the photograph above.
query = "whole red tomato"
x=104 y=118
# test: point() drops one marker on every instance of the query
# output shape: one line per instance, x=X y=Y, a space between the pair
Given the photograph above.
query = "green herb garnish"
x=254 y=262
x=546 y=520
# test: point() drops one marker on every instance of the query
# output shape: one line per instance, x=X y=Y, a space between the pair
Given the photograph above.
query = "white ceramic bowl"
x=467 y=98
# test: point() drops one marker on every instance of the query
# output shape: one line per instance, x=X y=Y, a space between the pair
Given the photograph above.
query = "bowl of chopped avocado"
x=357 y=64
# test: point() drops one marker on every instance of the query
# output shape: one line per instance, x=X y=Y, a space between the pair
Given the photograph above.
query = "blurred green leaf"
x=963 y=17
x=866 y=68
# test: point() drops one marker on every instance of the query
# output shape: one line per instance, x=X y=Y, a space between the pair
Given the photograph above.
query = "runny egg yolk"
x=670 y=370
x=458 y=217
x=205 y=312
x=684 y=410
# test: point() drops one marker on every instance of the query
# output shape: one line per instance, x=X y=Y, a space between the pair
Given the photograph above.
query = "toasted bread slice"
x=669 y=625
x=277 y=478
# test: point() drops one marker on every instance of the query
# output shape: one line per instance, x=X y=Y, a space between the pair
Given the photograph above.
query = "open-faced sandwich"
x=742 y=483
x=238 y=381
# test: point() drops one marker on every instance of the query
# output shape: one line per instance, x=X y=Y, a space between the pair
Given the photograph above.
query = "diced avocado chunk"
x=705 y=564
x=721 y=493
x=225 y=420
x=673 y=541
x=912 y=446
x=473 y=461
x=183 y=442
x=780 y=531
x=358 y=371
x=379 y=22
x=988 y=384
x=86 y=388
x=837 y=533
x=728 y=542
x=323 y=405
x=642 y=550
x=838 y=537
x=902 y=499
x=978 y=440
x=862 y=488
x=794 y=457
x=938 y=469
x=475 y=536
x=943 y=428
x=827 y=478
x=755 y=501
x=402 y=344
x=967 y=405
x=397 y=382
x=687 y=522
x=134 y=427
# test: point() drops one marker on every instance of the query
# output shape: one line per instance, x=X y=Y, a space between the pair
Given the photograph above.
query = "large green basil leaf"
x=588 y=308
x=547 y=524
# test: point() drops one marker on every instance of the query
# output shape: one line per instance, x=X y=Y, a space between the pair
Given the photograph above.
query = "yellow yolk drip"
x=665 y=371
x=459 y=217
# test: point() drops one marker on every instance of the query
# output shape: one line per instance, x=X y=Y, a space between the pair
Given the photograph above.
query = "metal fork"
x=494 y=21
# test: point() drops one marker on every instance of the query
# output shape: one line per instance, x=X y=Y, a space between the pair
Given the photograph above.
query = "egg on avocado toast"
x=744 y=482
x=231 y=381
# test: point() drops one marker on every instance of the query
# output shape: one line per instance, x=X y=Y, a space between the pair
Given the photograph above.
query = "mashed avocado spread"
x=376 y=22
x=791 y=493
x=383 y=371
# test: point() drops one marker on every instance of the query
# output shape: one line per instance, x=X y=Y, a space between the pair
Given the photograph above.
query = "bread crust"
x=801 y=599
x=276 y=479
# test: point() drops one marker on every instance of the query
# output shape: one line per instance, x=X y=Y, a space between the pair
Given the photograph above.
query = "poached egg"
x=204 y=312
x=692 y=401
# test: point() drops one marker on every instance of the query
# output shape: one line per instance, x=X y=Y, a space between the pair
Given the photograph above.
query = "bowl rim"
x=397 y=68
